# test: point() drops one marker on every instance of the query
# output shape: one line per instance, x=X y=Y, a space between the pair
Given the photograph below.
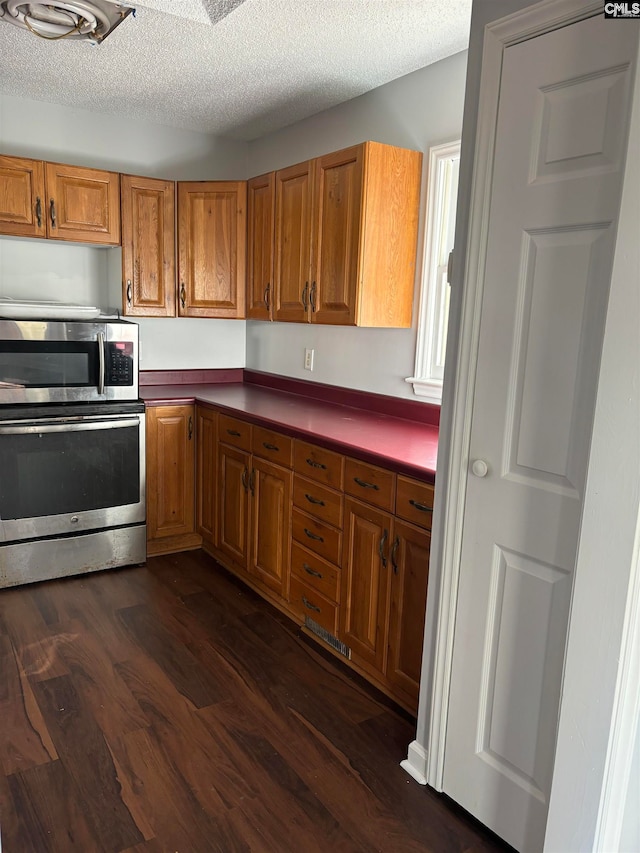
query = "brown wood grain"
x=21 y=189
x=261 y=198
x=86 y=204
x=292 y=265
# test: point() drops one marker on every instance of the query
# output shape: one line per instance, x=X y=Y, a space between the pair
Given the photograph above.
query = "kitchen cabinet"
x=171 y=479
x=148 y=247
x=345 y=238
x=58 y=201
x=207 y=473
x=211 y=248
x=260 y=245
x=233 y=504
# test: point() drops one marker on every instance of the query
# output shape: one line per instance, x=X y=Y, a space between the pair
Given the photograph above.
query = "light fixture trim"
x=87 y=20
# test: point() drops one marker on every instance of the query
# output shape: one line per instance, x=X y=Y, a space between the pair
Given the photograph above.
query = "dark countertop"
x=406 y=446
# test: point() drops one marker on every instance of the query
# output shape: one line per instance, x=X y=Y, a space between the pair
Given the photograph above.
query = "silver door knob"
x=480 y=468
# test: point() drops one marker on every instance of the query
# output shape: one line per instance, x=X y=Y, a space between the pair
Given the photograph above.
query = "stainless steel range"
x=72 y=449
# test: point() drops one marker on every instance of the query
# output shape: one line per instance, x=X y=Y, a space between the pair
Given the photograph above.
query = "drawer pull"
x=309 y=605
x=313 y=535
x=421 y=507
x=311 y=571
x=312 y=500
x=234 y=432
x=366 y=485
x=315 y=464
x=268 y=446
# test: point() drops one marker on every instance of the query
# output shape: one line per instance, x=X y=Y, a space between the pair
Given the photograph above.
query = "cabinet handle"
x=383 y=540
x=234 y=432
x=311 y=571
x=268 y=446
x=421 y=507
x=52 y=212
x=267 y=294
x=315 y=464
x=309 y=605
x=183 y=295
x=252 y=481
x=366 y=485
x=394 y=553
x=190 y=427
x=312 y=297
x=245 y=483
x=313 y=535
x=305 y=294
x=312 y=500
x=39 y=212
x=129 y=292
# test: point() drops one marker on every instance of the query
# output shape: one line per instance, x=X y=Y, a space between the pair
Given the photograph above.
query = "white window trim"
x=427 y=379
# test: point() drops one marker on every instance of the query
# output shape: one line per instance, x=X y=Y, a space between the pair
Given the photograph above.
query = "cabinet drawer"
x=319 y=464
x=320 y=501
x=369 y=484
x=272 y=445
x=235 y=432
x=307 y=601
x=317 y=536
x=414 y=501
x=314 y=571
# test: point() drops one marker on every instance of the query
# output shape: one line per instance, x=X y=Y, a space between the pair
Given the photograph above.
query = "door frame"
x=460 y=371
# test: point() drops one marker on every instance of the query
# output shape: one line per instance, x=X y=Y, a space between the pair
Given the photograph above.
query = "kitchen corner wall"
x=416 y=111
x=48 y=269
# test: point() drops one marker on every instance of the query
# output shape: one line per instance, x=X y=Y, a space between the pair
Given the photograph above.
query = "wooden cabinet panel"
x=270 y=487
x=294 y=198
x=365 y=580
x=307 y=601
x=414 y=501
x=83 y=205
x=410 y=571
x=261 y=198
x=171 y=472
x=206 y=474
x=317 y=536
x=322 y=502
x=313 y=571
x=234 y=431
x=233 y=504
x=148 y=247
x=22 y=197
x=319 y=464
x=272 y=445
x=211 y=248
x=370 y=484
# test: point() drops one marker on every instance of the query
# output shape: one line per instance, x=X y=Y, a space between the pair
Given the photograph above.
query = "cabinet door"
x=260 y=236
x=83 y=205
x=206 y=474
x=22 y=198
x=365 y=582
x=410 y=570
x=211 y=248
x=336 y=229
x=271 y=524
x=148 y=247
x=233 y=503
x=170 y=471
x=294 y=198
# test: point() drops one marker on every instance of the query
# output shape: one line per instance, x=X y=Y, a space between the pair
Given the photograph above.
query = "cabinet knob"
x=480 y=468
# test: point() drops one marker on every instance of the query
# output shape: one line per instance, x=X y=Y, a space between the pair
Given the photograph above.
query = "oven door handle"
x=25 y=428
x=100 y=362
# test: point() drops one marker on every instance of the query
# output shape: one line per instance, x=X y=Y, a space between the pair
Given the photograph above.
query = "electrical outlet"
x=308 y=359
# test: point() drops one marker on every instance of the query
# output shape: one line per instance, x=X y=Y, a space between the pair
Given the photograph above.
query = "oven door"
x=70 y=474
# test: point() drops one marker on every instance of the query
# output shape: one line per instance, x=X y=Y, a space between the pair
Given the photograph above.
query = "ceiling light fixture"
x=89 y=20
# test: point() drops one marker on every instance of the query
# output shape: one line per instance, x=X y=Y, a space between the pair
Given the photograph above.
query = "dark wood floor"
x=168 y=708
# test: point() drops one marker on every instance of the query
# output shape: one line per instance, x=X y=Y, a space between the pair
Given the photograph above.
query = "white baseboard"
x=415 y=764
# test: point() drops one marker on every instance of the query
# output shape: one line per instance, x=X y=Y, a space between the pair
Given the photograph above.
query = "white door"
x=560 y=148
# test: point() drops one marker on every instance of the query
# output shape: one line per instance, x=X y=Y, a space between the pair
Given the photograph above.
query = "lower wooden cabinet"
x=207 y=473
x=233 y=504
x=270 y=492
x=171 y=479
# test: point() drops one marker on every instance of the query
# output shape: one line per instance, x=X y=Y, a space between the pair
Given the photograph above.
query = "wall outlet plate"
x=308 y=359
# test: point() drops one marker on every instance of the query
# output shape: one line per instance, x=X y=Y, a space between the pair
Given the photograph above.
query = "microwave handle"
x=100 y=362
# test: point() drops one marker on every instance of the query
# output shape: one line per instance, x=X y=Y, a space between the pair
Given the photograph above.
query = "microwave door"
x=101 y=363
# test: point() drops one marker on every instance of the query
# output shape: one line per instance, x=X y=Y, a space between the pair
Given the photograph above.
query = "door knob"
x=480 y=468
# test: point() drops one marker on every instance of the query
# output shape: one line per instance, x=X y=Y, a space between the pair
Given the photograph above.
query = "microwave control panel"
x=119 y=363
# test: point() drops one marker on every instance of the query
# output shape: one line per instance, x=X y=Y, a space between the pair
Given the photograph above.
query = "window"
x=444 y=165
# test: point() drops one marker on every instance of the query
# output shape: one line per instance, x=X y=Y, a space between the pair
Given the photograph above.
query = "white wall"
x=47 y=269
x=416 y=111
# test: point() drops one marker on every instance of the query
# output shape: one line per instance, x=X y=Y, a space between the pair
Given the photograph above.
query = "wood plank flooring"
x=168 y=708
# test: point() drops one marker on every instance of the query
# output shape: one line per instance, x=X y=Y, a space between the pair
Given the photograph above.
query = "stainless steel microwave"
x=55 y=361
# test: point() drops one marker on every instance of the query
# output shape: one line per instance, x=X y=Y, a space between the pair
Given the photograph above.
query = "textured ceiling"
x=236 y=68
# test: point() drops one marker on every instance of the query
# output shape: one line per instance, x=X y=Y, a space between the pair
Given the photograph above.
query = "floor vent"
x=321 y=632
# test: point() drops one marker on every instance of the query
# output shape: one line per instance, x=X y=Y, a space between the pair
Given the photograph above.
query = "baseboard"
x=415 y=764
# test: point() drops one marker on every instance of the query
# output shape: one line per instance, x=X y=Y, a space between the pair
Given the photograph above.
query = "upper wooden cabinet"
x=260 y=232
x=345 y=238
x=148 y=247
x=59 y=202
x=211 y=248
